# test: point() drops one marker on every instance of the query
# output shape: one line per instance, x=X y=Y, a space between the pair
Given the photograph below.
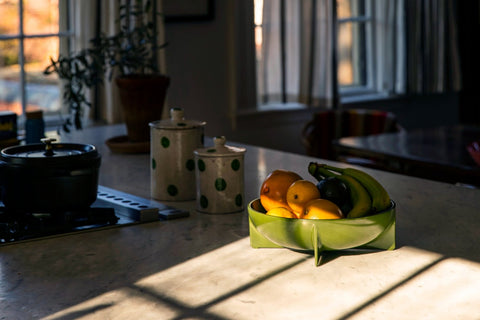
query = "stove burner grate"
x=112 y=208
x=16 y=226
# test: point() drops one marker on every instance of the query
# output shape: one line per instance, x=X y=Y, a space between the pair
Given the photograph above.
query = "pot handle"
x=48 y=146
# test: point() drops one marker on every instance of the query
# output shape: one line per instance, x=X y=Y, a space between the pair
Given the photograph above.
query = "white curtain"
x=83 y=24
x=85 y=12
x=297 y=52
x=416 y=46
x=415 y=43
x=390 y=46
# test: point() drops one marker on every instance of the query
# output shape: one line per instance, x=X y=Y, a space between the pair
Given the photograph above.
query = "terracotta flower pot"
x=142 y=99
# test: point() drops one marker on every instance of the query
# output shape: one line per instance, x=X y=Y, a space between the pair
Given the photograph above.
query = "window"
x=354 y=45
x=30 y=32
x=356 y=69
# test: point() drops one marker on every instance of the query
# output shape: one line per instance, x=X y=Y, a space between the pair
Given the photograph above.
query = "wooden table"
x=203 y=267
x=433 y=153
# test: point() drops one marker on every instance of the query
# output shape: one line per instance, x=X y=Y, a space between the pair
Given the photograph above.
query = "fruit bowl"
x=370 y=232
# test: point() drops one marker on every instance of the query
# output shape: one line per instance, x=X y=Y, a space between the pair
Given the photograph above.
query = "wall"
x=199 y=61
x=470 y=64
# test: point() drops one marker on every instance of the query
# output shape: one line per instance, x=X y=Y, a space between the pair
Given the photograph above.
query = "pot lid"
x=220 y=149
x=176 y=121
x=48 y=150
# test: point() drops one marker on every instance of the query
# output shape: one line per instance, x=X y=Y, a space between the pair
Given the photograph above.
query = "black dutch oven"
x=49 y=177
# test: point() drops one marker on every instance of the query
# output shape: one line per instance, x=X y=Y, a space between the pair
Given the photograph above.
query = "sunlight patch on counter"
x=447 y=290
x=239 y=282
x=219 y=273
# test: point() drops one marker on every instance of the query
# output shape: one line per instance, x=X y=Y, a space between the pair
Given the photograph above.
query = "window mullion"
x=283 y=50
x=21 y=60
x=370 y=49
x=46 y=35
x=355 y=19
x=29 y=36
x=9 y=37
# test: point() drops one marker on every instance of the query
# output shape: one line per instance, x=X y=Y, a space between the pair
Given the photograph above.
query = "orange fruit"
x=300 y=193
x=273 y=192
x=322 y=209
x=281 y=212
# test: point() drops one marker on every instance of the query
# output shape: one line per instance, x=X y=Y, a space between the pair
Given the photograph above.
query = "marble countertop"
x=203 y=267
x=421 y=152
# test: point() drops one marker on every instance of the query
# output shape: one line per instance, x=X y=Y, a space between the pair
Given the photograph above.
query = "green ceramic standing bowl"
x=371 y=232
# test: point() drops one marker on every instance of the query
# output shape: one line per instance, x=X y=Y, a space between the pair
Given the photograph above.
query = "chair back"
x=326 y=126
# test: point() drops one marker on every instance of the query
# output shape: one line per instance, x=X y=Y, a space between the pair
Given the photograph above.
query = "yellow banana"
x=361 y=200
x=359 y=196
x=380 y=196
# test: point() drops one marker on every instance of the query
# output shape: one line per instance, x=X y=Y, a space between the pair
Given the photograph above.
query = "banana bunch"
x=367 y=195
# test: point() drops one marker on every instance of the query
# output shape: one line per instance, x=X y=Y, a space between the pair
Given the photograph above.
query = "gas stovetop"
x=111 y=209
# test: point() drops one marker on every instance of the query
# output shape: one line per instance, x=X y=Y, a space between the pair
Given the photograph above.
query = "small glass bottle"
x=34 y=126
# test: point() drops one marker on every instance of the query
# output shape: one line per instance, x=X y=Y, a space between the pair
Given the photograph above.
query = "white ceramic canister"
x=172 y=168
x=219 y=174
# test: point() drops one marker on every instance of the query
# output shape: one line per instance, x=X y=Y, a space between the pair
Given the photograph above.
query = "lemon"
x=322 y=209
x=281 y=212
x=299 y=194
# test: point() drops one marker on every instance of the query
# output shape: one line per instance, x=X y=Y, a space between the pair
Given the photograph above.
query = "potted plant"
x=130 y=57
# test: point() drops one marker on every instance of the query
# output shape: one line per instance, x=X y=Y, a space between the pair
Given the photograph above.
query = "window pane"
x=41 y=91
x=40 y=16
x=9 y=21
x=344 y=8
x=10 y=98
x=351 y=54
x=350 y=8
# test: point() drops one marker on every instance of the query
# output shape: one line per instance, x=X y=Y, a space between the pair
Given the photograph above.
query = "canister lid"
x=220 y=149
x=176 y=121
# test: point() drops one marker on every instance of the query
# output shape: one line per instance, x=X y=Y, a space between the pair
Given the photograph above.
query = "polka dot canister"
x=219 y=177
x=172 y=165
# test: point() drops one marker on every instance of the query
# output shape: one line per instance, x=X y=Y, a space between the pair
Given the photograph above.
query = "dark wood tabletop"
x=434 y=153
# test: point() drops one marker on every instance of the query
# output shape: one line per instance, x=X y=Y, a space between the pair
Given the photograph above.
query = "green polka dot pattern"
x=219 y=178
x=203 y=202
x=201 y=165
x=239 y=200
x=172 y=171
x=220 y=184
x=165 y=142
x=172 y=190
x=235 y=165
x=190 y=165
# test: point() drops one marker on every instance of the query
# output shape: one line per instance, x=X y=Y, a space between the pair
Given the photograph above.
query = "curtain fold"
x=390 y=43
x=295 y=65
x=433 y=59
x=85 y=13
x=108 y=102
